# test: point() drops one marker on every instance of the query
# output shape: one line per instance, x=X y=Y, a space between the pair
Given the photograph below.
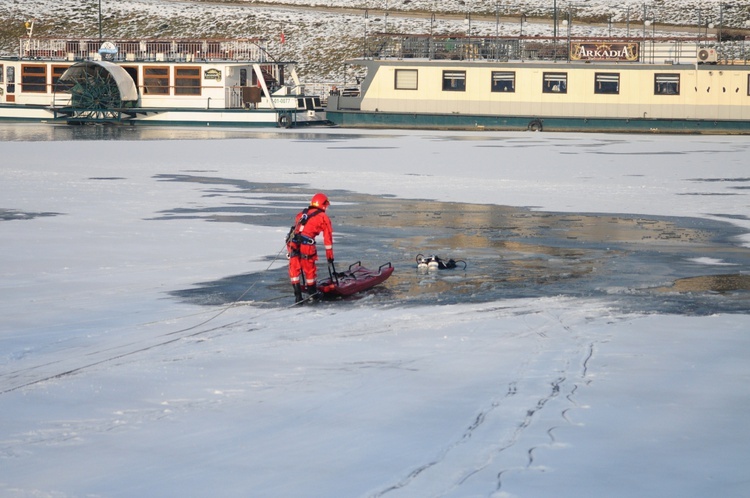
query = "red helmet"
x=320 y=201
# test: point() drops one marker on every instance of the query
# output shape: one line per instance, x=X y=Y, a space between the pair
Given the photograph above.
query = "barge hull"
x=364 y=119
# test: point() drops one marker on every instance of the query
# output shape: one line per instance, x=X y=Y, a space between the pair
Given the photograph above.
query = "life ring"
x=535 y=125
x=284 y=121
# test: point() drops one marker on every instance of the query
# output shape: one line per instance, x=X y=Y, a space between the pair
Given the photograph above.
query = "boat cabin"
x=77 y=79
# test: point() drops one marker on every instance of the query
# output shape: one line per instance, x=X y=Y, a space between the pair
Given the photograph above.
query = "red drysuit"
x=302 y=250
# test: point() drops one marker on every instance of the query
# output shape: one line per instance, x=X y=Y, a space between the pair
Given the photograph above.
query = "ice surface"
x=111 y=386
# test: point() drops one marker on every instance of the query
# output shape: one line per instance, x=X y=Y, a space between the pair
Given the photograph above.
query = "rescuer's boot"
x=313 y=291
x=297 y=293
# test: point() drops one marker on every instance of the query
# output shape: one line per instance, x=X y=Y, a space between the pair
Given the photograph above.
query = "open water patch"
x=639 y=263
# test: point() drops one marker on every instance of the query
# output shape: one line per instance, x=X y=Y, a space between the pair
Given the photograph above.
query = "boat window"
x=406 y=79
x=503 y=81
x=58 y=71
x=156 y=80
x=555 y=83
x=11 y=73
x=607 y=83
x=187 y=81
x=1 y=74
x=454 y=81
x=34 y=78
x=666 y=84
x=748 y=85
x=243 y=77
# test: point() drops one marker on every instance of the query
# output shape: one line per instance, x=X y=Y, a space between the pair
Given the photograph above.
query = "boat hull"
x=366 y=119
x=168 y=117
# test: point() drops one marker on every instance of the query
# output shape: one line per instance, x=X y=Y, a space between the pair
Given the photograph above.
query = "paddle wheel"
x=95 y=93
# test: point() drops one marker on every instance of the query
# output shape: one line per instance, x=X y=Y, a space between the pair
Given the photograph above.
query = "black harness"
x=295 y=238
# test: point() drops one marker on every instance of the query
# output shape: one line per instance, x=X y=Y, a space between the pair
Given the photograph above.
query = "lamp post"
x=520 y=37
x=385 y=17
x=100 y=21
x=364 y=44
x=554 y=21
x=497 y=20
x=628 y=24
x=432 y=43
x=569 y=24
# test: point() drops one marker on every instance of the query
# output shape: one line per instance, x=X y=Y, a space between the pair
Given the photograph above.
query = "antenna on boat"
x=100 y=21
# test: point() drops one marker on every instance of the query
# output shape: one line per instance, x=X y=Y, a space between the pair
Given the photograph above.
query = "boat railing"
x=653 y=50
x=149 y=50
x=248 y=97
x=234 y=99
x=61 y=99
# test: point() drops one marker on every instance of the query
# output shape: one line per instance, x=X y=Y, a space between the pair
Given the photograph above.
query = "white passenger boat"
x=686 y=85
x=153 y=82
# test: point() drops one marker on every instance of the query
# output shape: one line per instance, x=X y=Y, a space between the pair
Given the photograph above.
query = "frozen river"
x=510 y=252
x=595 y=344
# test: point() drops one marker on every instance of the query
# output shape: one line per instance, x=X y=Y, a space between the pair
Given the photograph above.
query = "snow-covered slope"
x=322 y=34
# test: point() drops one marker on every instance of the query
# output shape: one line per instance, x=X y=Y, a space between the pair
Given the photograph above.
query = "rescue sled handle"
x=356 y=279
x=351 y=273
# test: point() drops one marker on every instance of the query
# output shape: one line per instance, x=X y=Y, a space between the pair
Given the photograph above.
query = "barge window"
x=454 y=81
x=406 y=79
x=503 y=81
x=607 y=83
x=1 y=74
x=666 y=84
x=156 y=80
x=34 y=78
x=187 y=81
x=555 y=83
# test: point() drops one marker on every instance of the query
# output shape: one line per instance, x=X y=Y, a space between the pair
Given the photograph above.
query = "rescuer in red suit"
x=301 y=248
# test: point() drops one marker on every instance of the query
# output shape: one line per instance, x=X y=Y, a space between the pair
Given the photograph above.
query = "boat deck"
x=149 y=50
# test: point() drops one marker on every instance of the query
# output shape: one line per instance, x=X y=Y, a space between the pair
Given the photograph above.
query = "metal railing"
x=175 y=50
x=462 y=48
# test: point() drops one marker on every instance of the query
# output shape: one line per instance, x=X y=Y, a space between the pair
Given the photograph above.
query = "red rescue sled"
x=356 y=279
